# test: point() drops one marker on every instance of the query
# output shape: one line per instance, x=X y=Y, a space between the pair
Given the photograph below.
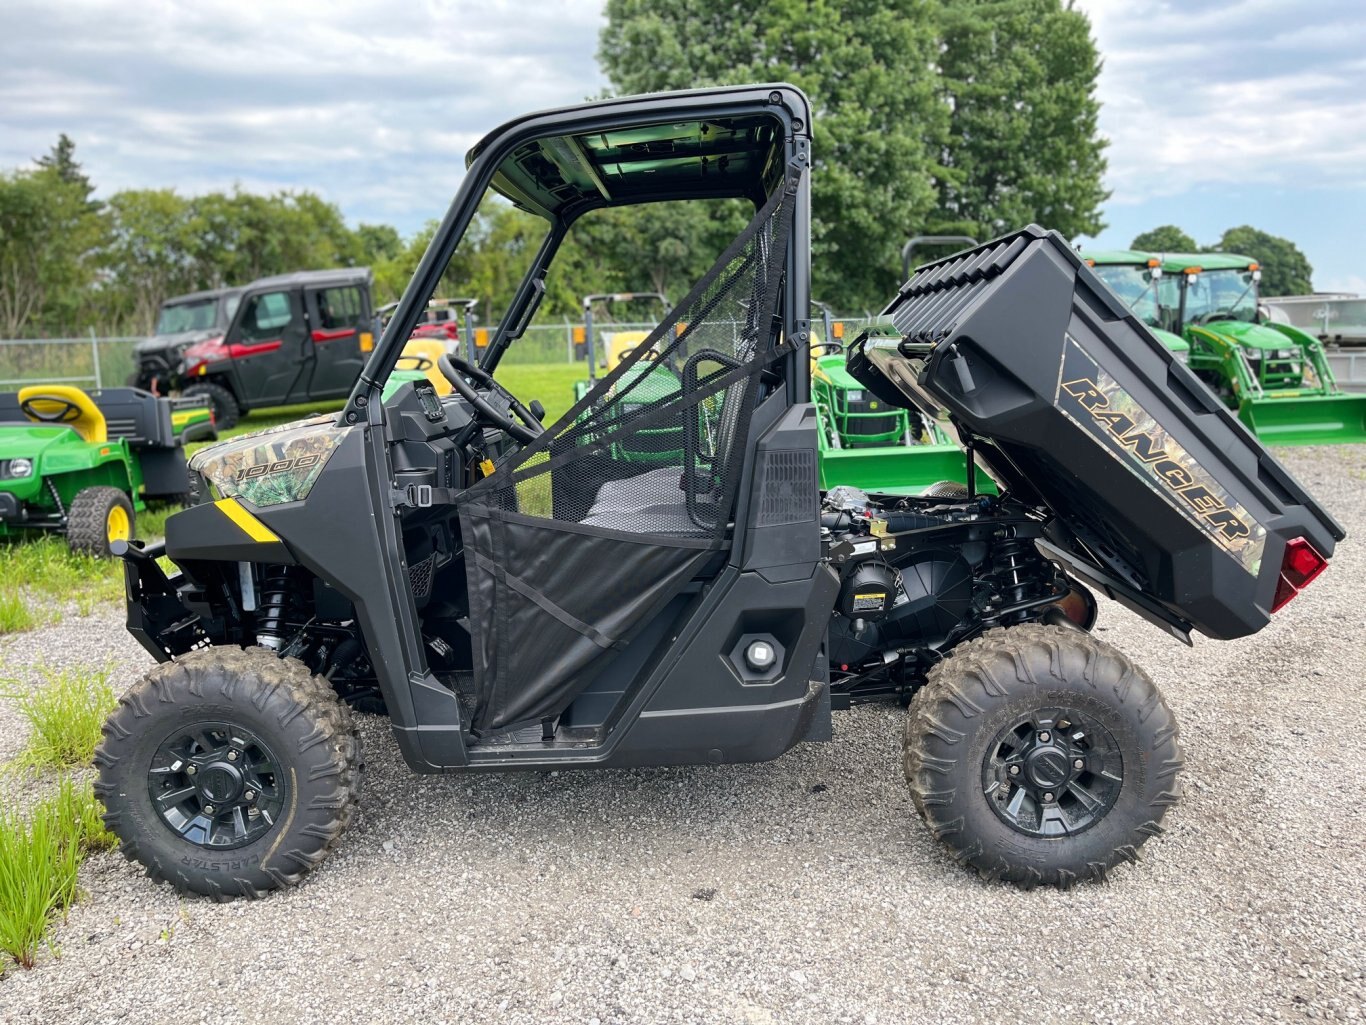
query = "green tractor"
x=84 y=464
x=864 y=442
x=644 y=385
x=867 y=444
x=1135 y=277
x=1275 y=376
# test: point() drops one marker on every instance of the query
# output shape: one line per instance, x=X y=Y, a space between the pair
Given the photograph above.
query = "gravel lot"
x=804 y=890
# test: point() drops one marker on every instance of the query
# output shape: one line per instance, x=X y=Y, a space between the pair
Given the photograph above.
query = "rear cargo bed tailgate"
x=1078 y=409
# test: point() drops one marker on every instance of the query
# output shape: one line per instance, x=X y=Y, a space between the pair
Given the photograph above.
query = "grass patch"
x=15 y=616
x=64 y=714
x=40 y=856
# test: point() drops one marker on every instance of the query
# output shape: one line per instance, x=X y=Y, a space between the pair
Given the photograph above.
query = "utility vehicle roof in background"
x=1206 y=261
x=208 y=293
x=335 y=276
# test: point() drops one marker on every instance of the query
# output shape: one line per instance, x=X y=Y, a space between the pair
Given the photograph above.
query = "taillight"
x=1299 y=568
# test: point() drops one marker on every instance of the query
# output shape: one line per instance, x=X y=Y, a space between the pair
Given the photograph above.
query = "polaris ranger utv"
x=182 y=321
x=294 y=338
x=517 y=596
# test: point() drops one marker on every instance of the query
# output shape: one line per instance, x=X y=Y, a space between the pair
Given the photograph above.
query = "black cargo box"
x=1160 y=495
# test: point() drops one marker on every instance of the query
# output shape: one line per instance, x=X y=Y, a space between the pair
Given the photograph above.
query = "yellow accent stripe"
x=254 y=528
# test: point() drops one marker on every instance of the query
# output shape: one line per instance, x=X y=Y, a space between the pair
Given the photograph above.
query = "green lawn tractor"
x=646 y=385
x=867 y=444
x=1135 y=278
x=84 y=464
x=1275 y=376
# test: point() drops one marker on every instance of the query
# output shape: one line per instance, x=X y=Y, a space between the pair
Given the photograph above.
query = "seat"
x=423 y=353
x=648 y=503
x=619 y=343
x=63 y=404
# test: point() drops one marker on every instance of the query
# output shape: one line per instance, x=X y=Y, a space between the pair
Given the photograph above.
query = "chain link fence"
x=96 y=362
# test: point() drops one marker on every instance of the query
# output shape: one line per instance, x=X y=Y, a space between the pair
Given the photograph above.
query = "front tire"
x=97 y=518
x=226 y=409
x=1039 y=754
x=229 y=772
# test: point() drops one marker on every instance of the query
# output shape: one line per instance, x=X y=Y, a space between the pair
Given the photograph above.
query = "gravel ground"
x=803 y=890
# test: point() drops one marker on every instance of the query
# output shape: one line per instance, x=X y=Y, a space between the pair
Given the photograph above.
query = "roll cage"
x=560 y=164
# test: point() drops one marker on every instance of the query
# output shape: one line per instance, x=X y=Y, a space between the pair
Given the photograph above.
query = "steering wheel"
x=66 y=413
x=421 y=364
x=827 y=348
x=457 y=370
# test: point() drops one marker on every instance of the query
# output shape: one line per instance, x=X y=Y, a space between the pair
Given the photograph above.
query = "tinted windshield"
x=1134 y=286
x=1221 y=295
x=195 y=316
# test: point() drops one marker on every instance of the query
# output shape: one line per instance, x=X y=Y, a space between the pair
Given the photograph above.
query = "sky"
x=1218 y=112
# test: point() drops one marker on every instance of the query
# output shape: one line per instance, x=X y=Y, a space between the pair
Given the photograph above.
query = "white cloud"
x=1249 y=91
x=371 y=105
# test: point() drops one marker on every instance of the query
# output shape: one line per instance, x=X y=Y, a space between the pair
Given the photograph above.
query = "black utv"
x=182 y=321
x=294 y=338
x=521 y=596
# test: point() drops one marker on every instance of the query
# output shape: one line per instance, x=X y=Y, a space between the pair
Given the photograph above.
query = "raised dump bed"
x=1160 y=495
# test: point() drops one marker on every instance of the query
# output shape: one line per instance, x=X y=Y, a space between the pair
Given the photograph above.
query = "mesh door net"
x=584 y=534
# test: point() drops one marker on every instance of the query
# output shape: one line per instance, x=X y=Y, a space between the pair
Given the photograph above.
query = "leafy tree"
x=879 y=124
x=1165 y=239
x=47 y=236
x=1285 y=270
x=150 y=253
x=1019 y=78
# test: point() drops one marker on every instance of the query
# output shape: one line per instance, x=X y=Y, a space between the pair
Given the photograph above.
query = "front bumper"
x=157 y=615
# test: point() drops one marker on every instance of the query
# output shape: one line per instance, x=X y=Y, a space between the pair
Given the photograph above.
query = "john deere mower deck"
x=514 y=595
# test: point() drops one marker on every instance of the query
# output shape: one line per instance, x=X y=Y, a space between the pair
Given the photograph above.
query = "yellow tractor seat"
x=63 y=404
x=619 y=343
x=422 y=354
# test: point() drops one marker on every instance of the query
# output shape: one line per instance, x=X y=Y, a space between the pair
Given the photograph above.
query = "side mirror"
x=537 y=410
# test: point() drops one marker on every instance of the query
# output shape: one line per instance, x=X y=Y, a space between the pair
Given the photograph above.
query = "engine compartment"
x=920 y=575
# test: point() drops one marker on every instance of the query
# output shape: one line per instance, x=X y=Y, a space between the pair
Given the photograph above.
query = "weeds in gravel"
x=64 y=714
x=40 y=854
x=15 y=616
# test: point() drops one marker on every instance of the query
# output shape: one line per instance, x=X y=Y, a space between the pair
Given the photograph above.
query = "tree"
x=61 y=161
x=47 y=236
x=1019 y=80
x=150 y=254
x=1165 y=239
x=879 y=123
x=1285 y=270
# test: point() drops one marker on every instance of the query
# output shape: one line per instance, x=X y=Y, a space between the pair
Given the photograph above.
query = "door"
x=267 y=348
x=340 y=337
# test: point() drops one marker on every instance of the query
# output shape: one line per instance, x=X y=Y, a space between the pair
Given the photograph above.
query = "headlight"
x=20 y=467
x=1254 y=354
x=1287 y=353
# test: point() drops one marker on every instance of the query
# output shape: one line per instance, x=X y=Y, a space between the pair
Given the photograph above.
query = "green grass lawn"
x=36 y=575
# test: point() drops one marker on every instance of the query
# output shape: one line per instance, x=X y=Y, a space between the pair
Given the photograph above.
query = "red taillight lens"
x=1300 y=566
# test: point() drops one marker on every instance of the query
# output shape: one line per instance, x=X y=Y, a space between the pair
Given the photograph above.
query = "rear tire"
x=1039 y=754
x=229 y=772
x=226 y=410
x=99 y=516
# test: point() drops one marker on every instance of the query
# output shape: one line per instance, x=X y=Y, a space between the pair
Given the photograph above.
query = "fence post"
x=95 y=355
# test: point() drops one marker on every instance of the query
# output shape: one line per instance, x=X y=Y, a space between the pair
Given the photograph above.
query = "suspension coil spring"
x=1009 y=573
x=279 y=586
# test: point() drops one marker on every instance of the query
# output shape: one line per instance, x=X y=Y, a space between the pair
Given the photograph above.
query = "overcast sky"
x=1219 y=113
